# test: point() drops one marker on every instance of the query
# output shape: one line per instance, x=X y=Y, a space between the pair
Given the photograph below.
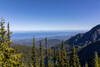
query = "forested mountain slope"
x=86 y=54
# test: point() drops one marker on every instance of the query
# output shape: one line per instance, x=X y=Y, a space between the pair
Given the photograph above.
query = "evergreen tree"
x=62 y=54
x=55 y=58
x=64 y=58
x=58 y=58
x=8 y=35
x=77 y=61
x=41 y=55
x=86 y=64
x=66 y=62
x=46 y=58
x=8 y=57
x=49 y=53
x=49 y=56
x=74 y=60
x=95 y=60
x=34 y=55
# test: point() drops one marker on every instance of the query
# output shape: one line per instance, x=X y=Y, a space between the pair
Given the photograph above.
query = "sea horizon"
x=17 y=35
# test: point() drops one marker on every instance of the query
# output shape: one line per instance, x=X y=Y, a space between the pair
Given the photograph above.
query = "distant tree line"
x=45 y=57
x=60 y=57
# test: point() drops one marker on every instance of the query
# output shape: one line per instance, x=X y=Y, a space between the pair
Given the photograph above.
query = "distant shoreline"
x=42 y=34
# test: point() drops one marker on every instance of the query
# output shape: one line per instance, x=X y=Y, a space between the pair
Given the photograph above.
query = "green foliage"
x=41 y=55
x=26 y=52
x=58 y=58
x=55 y=58
x=74 y=60
x=86 y=64
x=25 y=56
x=95 y=60
x=8 y=58
x=49 y=53
x=46 y=58
x=34 y=55
x=64 y=58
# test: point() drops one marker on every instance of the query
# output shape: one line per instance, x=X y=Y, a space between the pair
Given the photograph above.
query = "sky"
x=38 y=15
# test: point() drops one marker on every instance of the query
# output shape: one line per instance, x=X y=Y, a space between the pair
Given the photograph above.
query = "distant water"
x=42 y=34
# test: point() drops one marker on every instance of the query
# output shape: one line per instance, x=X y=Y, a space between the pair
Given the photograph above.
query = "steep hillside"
x=86 y=54
x=85 y=38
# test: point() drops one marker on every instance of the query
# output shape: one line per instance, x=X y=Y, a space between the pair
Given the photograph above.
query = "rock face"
x=85 y=38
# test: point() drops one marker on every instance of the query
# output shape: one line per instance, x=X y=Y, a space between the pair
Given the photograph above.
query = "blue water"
x=42 y=34
x=44 y=60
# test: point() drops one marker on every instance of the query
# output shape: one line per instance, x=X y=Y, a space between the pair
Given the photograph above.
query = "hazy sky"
x=30 y=15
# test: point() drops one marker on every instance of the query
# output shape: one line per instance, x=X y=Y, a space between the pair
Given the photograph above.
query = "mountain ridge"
x=85 y=38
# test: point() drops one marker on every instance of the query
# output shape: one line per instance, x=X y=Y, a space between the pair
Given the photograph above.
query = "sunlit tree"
x=46 y=57
x=95 y=60
x=64 y=58
x=34 y=54
x=8 y=57
x=41 y=55
x=55 y=58
x=74 y=60
x=86 y=64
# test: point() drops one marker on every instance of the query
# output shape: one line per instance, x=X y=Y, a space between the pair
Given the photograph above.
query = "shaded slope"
x=86 y=54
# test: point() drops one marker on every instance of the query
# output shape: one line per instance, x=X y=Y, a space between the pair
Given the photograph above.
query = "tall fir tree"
x=49 y=56
x=58 y=58
x=55 y=58
x=86 y=64
x=34 y=55
x=74 y=60
x=95 y=60
x=64 y=57
x=8 y=57
x=46 y=58
x=41 y=55
x=8 y=35
x=49 y=53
